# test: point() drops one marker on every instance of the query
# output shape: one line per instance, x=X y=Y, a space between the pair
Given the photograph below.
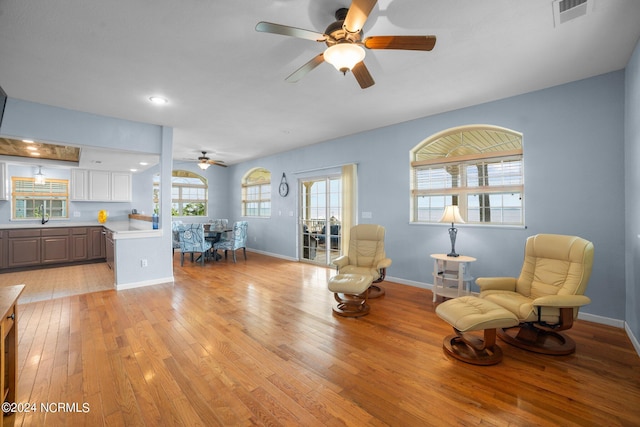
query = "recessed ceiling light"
x=158 y=100
x=133 y=170
x=35 y=153
x=32 y=148
x=28 y=141
x=143 y=163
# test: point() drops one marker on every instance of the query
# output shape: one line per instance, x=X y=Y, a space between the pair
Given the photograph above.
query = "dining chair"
x=219 y=224
x=214 y=230
x=235 y=240
x=175 y=235
x=192 y=240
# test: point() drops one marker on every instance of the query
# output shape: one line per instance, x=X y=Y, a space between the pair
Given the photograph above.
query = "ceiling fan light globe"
x=344 y=56
x=203 y=165
x=39 y=177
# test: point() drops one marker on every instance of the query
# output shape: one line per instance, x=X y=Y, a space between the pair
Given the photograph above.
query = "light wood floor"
x=256 y=343
x=59 y=282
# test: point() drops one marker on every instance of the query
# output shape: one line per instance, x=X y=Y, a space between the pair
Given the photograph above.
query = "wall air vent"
x=566 y=10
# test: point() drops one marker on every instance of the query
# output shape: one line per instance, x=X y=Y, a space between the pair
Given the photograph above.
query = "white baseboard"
x=288 y=258
x=409 y=282
x=132 y=285
x=633 y=338
x=601 y=319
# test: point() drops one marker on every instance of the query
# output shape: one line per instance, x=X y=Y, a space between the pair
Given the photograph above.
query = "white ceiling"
x=225 y=81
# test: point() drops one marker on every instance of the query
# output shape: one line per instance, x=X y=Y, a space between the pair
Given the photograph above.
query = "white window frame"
x=178 y=203
x=256 y=193
x=53 y=195
x=442 y=173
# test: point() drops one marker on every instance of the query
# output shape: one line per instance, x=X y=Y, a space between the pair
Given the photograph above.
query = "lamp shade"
x=452 y=214
x=203 y=165
x=344 y=56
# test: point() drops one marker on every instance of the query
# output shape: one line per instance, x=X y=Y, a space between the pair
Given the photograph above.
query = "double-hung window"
x=32 y=201
x=256 y=193
x=478 y=168
x=188 y=194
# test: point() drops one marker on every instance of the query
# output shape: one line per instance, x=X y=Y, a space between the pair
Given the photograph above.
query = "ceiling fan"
x=344 y=40
x=204 y=162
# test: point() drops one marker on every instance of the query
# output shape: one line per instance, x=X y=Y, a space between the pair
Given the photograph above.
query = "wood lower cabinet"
x=23 y=248
x=97 y=243
x=79 y=244
x=9 y=348
x=3 y=249
x=55 y=245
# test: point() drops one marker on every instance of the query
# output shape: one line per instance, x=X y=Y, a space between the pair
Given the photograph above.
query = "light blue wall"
x=632 y=180
x=574 y=184
x=24 y=119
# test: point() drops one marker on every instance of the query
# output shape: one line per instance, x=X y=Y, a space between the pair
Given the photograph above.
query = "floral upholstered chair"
x=175 y=235
x=219 y=224
x=191 y=238
x=235 y=240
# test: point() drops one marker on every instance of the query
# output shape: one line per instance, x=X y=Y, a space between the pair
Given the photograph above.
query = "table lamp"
x=452 y=214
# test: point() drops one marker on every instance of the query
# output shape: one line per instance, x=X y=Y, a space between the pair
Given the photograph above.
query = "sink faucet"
x=44 y=221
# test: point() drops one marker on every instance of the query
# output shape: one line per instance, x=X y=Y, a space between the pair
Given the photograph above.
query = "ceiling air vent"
x=566 y=10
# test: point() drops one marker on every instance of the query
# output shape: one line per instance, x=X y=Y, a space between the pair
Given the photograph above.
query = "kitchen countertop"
x=50 y=224
x=126 y=230
x=120 y=229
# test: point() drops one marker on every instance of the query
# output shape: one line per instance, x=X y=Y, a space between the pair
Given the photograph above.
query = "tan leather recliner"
x=548 y=293
x=366 y=255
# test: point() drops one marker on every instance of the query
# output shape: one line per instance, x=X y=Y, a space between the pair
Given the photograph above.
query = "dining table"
x=213 y=235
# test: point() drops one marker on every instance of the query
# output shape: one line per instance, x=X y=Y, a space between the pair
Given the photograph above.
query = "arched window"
x=256 y=193
x=477 y=167
x=188 y=193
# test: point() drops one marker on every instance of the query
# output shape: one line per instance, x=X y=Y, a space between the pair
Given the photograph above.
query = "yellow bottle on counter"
x=102 y=216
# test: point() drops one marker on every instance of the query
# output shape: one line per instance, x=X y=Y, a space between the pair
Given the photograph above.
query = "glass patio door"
x=320 y=218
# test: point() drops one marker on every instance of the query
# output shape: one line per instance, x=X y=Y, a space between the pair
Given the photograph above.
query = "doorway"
x=321 y=218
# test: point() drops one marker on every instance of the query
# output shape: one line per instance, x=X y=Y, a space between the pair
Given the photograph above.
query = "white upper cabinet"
x=120 y=187
x=100 y=186
x=79 y=182
x=4 y=184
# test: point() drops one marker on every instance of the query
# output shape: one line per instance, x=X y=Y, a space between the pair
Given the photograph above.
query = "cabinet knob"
x=12 y=317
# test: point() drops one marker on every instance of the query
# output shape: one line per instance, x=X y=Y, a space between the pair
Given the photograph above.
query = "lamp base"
x=453 y=232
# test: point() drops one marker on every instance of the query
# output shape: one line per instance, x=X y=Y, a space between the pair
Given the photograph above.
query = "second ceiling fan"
x=345 y=45
x=204 y=162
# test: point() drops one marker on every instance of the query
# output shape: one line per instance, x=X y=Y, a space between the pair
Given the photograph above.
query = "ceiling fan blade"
x=400 y=42
x=217 y=163
x=358 y=14
x=302 y=71
x=362 y=75
x=285 y=30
